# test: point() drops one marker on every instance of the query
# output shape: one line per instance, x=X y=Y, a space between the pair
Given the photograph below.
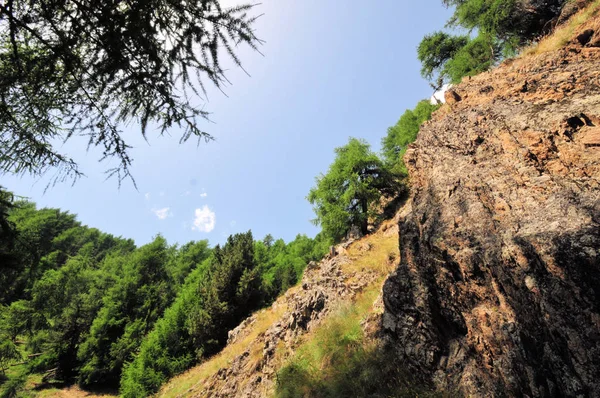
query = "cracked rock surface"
x=498 y=289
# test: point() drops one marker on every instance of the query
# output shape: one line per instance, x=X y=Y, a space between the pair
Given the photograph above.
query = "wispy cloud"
x=203 y=195
x=147 y=195
x=204 y=219
x=162 y=214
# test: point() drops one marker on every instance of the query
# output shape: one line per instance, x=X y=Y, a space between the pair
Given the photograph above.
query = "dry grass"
x=379 y=257
x=71 y=392
x=563 y=34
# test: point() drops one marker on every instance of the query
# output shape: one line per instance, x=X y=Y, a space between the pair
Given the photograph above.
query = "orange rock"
x=590 y=136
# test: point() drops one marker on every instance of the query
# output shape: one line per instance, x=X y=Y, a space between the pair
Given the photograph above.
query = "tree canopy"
x=501 y=27
x=343 y=197
x=88 y=68
x=404 y=132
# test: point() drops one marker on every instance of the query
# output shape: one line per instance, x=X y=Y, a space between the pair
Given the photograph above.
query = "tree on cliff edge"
x=502 y=26
x=344 y=196
x=88 y=68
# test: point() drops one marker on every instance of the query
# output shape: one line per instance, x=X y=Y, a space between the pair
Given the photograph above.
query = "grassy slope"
x=384 y=246
x=564 y=33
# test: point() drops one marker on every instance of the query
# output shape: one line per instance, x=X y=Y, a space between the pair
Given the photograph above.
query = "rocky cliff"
x=498 y=289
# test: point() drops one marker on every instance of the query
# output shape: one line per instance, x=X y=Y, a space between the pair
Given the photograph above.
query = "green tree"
x=344 y=196
x=8 y=353
x=129 y=310
x=91 y=304
x=87 y=68
x=188 y=257
x=477 y=56
x=9 y=261
x=404 y=132
x=511 y=22
x=435 y=50
x=36 y=231
x=69 y=299
x=215 y=298
x=446 y=58
x=502 y=26
x=231 y=291
x=19 y=318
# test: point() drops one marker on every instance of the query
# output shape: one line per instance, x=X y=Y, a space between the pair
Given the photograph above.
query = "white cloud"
x=203 y=195
x=161 y=194
x=147 y=195
x=204 y=220
x=162 y=214
x=186 y=193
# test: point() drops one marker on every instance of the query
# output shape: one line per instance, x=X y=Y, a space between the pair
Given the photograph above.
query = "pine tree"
x=87 y=68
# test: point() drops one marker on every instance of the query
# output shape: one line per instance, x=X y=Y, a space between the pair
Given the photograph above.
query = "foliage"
x=129 y=309
x=88 y=68
x=18 y=318
x=477 y=56
x=511 y=22
x=215 y=297
x=344 y=196
x=282 y=265
x=502 y=26
x=404 y=132
x=13 y=387
x=90 y=305
x=435 y=50
x=8 y=353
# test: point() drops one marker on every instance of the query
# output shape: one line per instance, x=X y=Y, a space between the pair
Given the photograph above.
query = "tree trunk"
x=365 y=221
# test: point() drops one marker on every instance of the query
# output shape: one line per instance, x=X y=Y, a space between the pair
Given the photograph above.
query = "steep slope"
x=262 y=344
x=498 y=290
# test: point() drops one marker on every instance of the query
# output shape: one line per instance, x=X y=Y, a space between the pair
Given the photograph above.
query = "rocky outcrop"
x=498 y=289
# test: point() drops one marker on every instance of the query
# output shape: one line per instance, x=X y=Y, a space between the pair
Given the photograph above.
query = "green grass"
x=339 y=361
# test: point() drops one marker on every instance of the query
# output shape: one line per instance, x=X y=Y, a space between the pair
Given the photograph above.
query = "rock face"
x=498 y=289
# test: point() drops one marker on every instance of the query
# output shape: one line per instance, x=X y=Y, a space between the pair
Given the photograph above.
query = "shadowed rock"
x=498 y=290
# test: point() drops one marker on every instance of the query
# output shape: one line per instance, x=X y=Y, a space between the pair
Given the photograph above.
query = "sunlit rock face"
x=498 y=289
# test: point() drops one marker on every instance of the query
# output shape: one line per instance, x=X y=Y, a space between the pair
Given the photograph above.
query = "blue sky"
x=331 y=70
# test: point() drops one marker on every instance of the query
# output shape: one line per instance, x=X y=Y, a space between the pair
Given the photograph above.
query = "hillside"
x=349 y=276
x=496 y=292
